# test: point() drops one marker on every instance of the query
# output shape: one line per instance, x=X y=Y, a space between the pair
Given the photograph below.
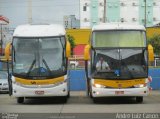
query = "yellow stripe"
x=117 y=83
x=39 y=82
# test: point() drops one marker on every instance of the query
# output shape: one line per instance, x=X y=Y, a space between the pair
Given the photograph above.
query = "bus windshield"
x=39 y=57
x=119 y=63
x=123 y=38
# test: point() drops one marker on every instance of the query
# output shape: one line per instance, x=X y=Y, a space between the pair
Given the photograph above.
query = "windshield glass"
x=119 y=63
x=119 y=39
x=38 y=57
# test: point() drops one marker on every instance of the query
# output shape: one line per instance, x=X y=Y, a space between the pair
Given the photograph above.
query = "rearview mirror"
x=68 y=49
x=150 y=53
x=87 y=52
x=7 y=51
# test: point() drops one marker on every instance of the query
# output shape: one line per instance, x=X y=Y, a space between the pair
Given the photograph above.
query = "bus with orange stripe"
x=124 y=48
x=39 y=56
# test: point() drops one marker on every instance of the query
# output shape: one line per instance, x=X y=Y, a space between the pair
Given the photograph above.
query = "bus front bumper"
x=59 y=90
x=107 y=92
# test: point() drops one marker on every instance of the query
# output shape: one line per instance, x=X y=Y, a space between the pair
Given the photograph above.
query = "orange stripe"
x=39 y=82
x=119 y=83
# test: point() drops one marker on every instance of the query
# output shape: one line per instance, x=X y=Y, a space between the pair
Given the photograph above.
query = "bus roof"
x=117 y=26
x=39 y=30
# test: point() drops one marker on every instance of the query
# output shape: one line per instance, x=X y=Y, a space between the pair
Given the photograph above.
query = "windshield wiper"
x=45 y=63
x=31 y=67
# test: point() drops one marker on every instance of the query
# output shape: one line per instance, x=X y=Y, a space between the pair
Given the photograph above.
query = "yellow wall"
x=151 y=31
x=81 y=35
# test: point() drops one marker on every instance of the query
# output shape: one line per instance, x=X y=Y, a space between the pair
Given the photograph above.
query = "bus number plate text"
x=39 y=92
x=119 y=92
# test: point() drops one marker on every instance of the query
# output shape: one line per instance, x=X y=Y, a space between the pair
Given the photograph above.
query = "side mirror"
x=150 y=53
x=87 y=52
x=7 y=51
x=68 y=50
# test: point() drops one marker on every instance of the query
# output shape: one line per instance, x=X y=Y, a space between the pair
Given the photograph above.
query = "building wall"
x=81 y=36
x=113 y=10
x=149 y=12
x=94 y=12
x=127 y=11
x=79 y=49
x=71 y=21
x=100 y=11
x=152 y=31
x=85 y=14
x=156 y=9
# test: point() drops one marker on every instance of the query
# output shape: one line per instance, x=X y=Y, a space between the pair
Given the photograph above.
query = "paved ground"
x=79 y=103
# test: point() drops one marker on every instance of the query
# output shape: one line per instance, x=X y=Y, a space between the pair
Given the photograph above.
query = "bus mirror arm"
x=86 y=58
x=150 y=53
x=87 y=52
x=7 y=51
x=68 y=49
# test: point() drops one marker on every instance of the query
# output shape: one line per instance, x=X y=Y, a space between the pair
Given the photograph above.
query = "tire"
x=139 y=99
x=20 y=100
x=64 y=99
x=95 y=100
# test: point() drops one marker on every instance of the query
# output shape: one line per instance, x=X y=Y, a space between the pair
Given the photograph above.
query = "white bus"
x=124 y=48
x=39 y=55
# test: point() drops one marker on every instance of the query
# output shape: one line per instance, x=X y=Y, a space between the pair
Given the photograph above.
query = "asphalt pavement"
x=80 y=106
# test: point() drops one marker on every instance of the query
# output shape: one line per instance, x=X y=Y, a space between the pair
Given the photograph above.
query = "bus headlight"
x=58 y=83
x=99 y=86
x=140 y=85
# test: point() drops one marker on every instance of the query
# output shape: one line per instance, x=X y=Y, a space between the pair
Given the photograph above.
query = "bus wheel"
x=95 y=99
x=139 y=99
x=65 y=99
x=20 y=99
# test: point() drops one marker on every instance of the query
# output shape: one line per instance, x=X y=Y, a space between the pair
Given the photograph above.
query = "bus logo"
x=33 y=82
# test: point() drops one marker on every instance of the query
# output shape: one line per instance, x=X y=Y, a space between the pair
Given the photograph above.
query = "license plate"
x=119 y=92
x=39 y=92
